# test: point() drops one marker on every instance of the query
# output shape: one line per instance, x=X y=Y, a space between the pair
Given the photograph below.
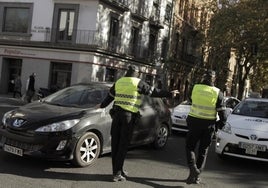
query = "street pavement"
x=148 y=168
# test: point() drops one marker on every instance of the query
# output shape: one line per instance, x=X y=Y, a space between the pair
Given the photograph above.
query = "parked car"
x=66 y=126
x=180 y=113
x=246 y=133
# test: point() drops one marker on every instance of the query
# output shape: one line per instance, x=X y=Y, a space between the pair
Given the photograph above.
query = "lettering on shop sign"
x=16 y=52
x=40 y=29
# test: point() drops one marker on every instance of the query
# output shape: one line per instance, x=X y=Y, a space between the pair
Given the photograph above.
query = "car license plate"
x=14 y=150
x=178 y=121
x=252 y=148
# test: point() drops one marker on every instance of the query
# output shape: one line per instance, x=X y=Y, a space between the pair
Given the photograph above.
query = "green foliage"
x=258 y=83
x=241 y=25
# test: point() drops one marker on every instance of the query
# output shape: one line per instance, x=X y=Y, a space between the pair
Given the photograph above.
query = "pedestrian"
x=207 y=101
x=126 y=93
x=17 y=86
x=30 y=87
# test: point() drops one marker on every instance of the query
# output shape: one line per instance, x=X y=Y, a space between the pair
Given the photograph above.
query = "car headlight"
x=58 y=126
x=6 y=116
x=227 y=128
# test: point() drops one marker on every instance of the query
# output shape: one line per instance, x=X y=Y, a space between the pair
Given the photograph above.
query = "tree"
x=257 y=82
x=241 y=25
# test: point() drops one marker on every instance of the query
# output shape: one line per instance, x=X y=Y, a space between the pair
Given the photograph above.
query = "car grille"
x=23 y=145
x=19 y=132
x=233 y=148
x=179 y=126
x=246 y=137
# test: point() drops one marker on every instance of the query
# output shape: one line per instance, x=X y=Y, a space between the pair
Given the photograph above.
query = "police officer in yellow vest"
x=126 y=94
x=207 y=101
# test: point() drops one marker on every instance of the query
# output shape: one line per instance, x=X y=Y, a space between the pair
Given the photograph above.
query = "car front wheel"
x=87 y=150
x=161 y=137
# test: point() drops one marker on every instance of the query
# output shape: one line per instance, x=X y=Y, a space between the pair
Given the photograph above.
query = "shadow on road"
x=233 y=171
x=40 y=169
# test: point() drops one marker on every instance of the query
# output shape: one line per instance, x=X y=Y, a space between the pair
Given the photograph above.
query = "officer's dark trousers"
x=121 y=132
x=198 y=133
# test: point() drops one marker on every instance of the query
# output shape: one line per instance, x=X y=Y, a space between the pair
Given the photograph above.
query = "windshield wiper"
x=72 y=105
x=52 y=103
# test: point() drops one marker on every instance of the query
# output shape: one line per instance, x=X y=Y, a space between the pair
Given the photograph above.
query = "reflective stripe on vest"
x=126 y=94
x=204 y=99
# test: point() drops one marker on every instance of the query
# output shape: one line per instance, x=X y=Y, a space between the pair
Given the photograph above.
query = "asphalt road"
x=147 y=168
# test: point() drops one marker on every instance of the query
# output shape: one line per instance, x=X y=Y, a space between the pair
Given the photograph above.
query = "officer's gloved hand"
x=220 y=124
x=174 y=93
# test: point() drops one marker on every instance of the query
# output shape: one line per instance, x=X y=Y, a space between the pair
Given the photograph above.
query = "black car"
x=67 y=126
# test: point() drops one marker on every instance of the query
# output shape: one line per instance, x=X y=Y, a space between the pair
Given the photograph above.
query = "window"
x=60 y=75
x=139 y=7
x=93 y=97
x=181 y=7
x=252 y=109
x=80 y=96
x=16 y=17
x=168 y=13
x=65 y=22
x=177 y=42
x=134 y=41
x=114 y=33
x=14 y=69
x=155 y=11
x=152 y=42
x=164 y=48
x=110 y=75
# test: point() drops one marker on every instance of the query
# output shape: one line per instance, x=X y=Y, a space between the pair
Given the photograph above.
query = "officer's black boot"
x=198 y=179
x=193 y=175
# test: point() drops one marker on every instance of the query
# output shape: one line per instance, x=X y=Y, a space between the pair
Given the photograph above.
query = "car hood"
x=43 y=113
x=245 y=123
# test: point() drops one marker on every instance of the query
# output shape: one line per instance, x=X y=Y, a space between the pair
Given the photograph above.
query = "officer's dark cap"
x=133 y=68
x=209 y=74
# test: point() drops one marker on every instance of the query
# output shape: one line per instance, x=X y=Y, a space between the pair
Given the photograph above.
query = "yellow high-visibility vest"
x=204 y=99
x=126 y=94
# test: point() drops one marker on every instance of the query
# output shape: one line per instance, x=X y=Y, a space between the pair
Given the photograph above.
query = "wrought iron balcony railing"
x=81 y=39
x=85 y=38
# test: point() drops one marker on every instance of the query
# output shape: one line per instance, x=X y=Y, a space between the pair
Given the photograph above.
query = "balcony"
x=86 y=40
x=121 y=5
x=138 y=10
x=155 y=19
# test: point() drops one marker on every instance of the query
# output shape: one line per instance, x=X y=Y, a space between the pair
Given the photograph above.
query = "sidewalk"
x=9 y=95
x=8 y=100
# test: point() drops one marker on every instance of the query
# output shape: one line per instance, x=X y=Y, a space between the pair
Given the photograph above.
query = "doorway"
x=10 y=68
x=60 y=75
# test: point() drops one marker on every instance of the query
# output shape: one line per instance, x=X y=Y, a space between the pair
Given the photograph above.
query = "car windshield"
x=81 y=96
x=231 y=102
x=252 y=109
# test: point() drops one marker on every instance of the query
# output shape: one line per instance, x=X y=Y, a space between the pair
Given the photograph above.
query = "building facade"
x=66 y=42
x=188 y=47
